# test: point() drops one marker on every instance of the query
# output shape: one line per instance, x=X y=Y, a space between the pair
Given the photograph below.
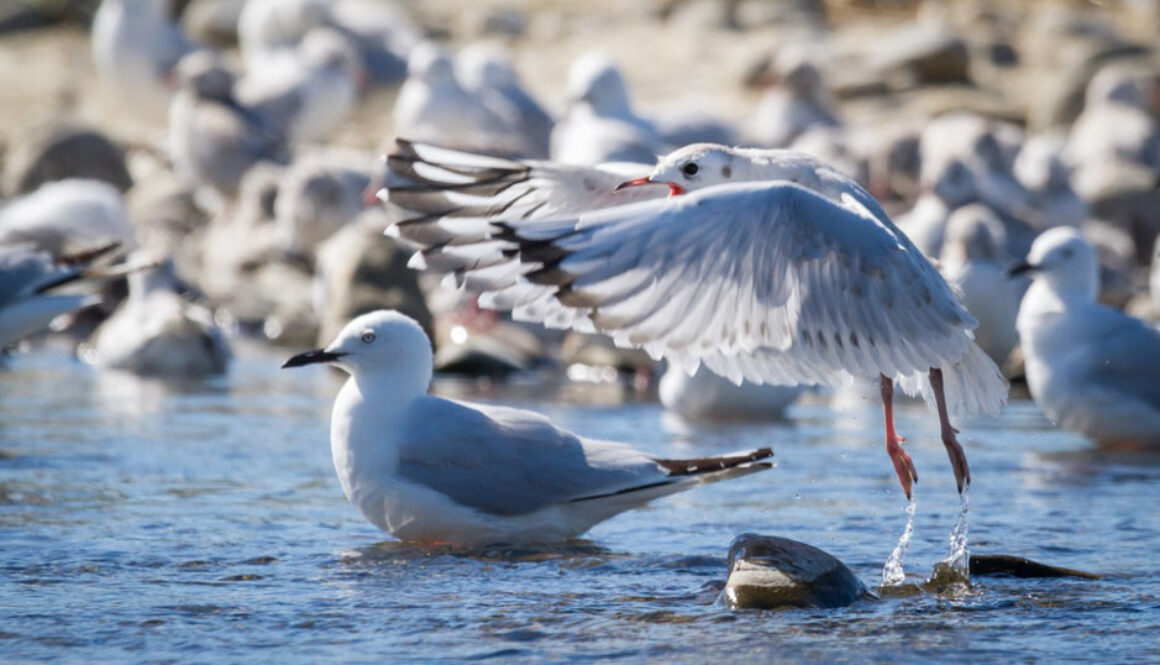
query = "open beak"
x=312 y=358
x=1021 y=268
x=674 y=188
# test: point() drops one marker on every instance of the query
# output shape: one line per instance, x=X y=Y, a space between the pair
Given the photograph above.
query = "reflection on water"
x=156 y=521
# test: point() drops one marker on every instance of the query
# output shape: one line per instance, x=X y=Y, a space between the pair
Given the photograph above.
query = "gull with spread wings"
x=763 y=265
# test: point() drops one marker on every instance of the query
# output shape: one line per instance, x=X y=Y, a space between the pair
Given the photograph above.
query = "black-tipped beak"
x=1021 y=268
x=312 y=358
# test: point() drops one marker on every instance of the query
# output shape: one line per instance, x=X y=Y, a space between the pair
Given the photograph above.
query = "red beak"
x=674 y=188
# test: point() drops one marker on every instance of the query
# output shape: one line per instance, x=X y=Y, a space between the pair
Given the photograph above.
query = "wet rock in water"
x=61 y=151
x=1017 y=566
x=769 y=572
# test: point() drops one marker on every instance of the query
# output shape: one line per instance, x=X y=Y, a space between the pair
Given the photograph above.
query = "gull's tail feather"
x=972 y=385
x=719 y=467
x=684 y=474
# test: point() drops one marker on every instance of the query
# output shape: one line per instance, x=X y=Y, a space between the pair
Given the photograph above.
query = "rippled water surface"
x=144 y=522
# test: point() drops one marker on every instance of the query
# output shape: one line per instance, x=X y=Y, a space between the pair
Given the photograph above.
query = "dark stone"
x=60 y=152
x=1002 y=54
x=1017 y=566
x=502 y=349
x=18 y=17
x=770 y=572
x=924 y=54
x=506 y=22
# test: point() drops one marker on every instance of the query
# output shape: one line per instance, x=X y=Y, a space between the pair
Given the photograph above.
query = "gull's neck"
x=1045 y=300
x=367 y=417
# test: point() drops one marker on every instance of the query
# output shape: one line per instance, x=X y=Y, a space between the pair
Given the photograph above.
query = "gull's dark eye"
x=1067 y=253
x=690 y=169
x=368 y=337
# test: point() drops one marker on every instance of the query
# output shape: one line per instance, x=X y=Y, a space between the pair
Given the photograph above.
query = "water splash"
x=951 y=577
x=892 y=572
x=959 y=558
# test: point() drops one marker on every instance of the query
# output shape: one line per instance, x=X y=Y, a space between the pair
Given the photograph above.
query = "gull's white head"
x=974 y=233
x=205 y=74
x=1062 y=259
x=695 y=167
x=795 y=69
x=955 y=184
x=481 y=66
x=594 y=78
x=1039 y=166
x=327 y=48
x=1115 y=84
x=430 y=63
x=383 y=342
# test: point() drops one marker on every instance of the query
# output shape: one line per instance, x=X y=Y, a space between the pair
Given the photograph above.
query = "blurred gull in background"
x=319 y=194
x=66 y=216
x=136 y=45
x=1092 y=369
x=214 y=140
x=156 y=332
x=795 y=101
x=434 y=106
x=599 y=125
x=308 y=94
x=705 y=396
x=975 y=260
x=1039 y=167
x=487 y=71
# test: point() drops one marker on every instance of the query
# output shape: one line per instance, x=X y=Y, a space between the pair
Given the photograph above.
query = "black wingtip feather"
x=697 y=465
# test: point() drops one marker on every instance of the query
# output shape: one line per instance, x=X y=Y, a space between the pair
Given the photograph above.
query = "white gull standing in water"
x=773 y=268
x=429 y=469
x=1092 y=369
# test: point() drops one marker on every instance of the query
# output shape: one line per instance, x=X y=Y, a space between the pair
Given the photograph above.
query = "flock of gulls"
x=748 y=263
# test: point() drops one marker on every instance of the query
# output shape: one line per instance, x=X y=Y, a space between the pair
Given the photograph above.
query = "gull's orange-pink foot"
x=954 y=450
x=903 y=465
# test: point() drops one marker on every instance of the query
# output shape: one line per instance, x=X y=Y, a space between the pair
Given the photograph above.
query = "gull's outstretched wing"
x=736 y=268
x=507 y=461
x=817 y=290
